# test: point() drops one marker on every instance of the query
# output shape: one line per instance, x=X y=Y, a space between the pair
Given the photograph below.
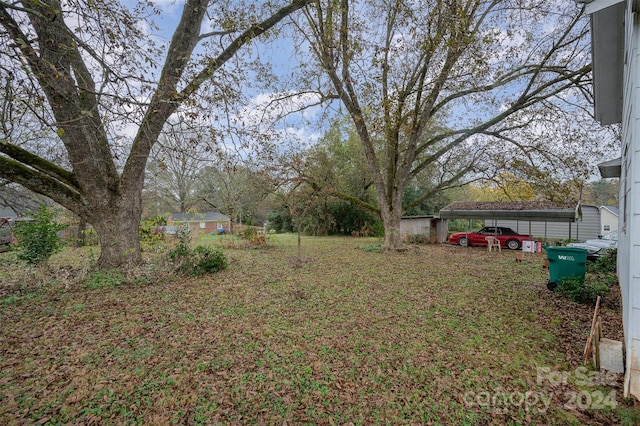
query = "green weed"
x=104 y=279
x=372 y=248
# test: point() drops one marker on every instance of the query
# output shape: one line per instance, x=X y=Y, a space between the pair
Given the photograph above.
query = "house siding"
x=200 y=223
x=608 y=220
x=588 y=228
x=629 y=214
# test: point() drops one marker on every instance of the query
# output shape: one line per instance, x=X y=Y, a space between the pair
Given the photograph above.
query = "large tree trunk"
x=119 y=243
x=115 y=215
x=117 y=227
x=391 y=216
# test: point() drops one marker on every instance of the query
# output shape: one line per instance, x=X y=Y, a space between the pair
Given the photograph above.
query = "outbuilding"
x=550 y=219
x=429 y=226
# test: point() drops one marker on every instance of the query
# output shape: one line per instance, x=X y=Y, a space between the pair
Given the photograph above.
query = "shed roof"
x=199 y=217
x=515 y=210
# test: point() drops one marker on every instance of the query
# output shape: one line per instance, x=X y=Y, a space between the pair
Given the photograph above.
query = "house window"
x=203 y=225
x=606 y=228
x=220 y=226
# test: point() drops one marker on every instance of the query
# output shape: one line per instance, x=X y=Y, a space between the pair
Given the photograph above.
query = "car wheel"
x=463 y=241
x=513 y=244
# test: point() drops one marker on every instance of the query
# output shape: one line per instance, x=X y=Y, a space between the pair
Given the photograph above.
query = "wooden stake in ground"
x=595 y=343
x=593 y=331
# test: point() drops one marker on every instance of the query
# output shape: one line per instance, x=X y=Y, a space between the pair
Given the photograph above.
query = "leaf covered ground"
x=433 y=335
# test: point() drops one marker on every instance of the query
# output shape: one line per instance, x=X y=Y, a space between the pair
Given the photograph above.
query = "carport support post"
x=467 y=233
x=570 y=231
x=545 y=232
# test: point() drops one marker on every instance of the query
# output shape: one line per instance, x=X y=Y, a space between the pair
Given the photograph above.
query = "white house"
x=615 y=39
x=608 y=219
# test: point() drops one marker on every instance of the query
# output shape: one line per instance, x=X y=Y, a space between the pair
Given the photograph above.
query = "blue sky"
x=280 y=54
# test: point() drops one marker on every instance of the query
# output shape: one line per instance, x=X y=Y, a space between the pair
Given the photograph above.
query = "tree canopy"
x=442 y=85
x=78 y=76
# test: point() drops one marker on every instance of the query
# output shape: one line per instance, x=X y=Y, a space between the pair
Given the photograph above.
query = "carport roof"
x=513 y=210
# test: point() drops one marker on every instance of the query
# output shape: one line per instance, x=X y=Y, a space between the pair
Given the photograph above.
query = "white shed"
x=427 y=226
x=615 y=41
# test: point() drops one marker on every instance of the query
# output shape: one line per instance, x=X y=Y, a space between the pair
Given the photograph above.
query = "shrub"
x=198 y=261
x=604 y=264
x=183 y=233
x=207 y=260
x=151 y=231
x=377 y=230
x=249 y=233
x=38 y=239
x=604 y=269
x=579 y=292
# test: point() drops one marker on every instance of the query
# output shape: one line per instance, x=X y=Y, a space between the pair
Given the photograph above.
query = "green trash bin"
x=565 y=262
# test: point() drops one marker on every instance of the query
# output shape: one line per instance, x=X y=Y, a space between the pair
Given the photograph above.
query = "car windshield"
x=613 y=236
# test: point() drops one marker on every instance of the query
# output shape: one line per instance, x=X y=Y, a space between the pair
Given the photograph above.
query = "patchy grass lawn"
x=435 y=335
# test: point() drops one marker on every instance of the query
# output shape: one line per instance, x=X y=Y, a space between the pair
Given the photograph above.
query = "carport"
x=526 y=211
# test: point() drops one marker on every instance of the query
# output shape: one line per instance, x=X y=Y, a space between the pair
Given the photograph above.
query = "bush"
x=39 y=238
x=207 y=260
x=579 y=292
x=249 y=233
x=280 y=220
x=198 y=261
x=604 y=269
x=604 y=264
x=151 y=231
x=376 y=229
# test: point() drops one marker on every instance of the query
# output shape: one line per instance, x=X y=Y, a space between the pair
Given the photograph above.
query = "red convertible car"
x=507 y=237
